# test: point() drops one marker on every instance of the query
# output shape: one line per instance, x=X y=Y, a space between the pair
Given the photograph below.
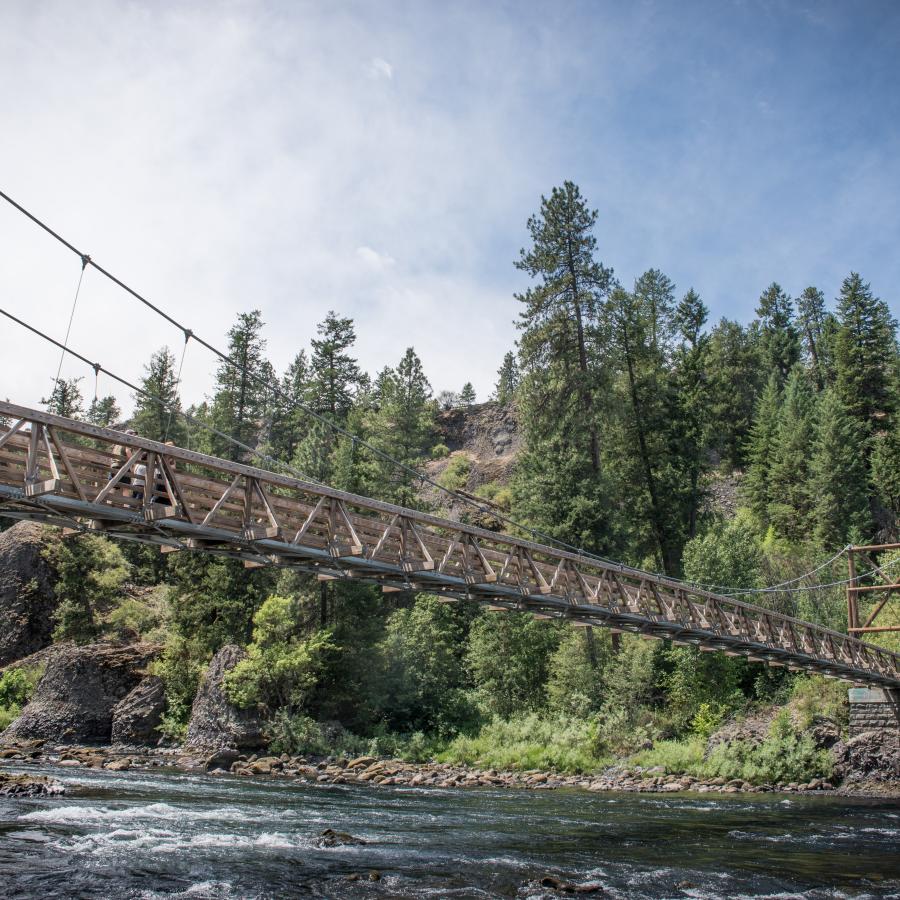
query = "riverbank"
x=369 y=770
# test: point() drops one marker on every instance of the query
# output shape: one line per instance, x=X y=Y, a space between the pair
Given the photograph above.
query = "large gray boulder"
x=27 y=599
x=215 y=722
x=873 y=756
x=82 y=685
x=137 y=717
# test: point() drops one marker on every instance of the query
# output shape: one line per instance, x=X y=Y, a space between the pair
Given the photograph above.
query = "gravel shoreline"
x=378 y=771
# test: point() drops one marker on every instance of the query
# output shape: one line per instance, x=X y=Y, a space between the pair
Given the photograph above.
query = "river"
x=140 y=835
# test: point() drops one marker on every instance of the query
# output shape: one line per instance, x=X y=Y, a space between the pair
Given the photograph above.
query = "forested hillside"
x=616 y=413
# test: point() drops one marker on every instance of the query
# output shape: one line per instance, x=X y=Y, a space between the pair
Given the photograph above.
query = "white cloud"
x=381 y=68
x=373 y=259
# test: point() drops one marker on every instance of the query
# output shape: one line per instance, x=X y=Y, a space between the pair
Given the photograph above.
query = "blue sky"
x=381 y=159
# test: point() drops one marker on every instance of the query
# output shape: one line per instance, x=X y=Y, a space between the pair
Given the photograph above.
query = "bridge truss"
x=76 y=475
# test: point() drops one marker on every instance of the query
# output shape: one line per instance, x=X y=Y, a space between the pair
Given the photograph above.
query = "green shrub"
x=784 y=756
x=455 y=476
x=299 y=734
x=281 y=668
x=16 y=688
x=813 y=697
x=180 y=666
x=707 y=719
x=440 y=451
x=530 y=742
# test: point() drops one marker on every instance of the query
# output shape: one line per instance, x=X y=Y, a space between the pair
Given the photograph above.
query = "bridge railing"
x=57 y=468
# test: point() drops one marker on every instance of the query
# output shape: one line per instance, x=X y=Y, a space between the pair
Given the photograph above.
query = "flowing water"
x=139 y=835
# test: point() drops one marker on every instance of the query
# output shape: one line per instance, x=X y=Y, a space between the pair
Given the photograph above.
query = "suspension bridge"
x=81 y=477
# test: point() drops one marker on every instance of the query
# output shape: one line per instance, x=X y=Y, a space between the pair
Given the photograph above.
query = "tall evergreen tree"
x=692 y=391
x=761 y=447
x=402 y=428
x=811 y=319
x=561 y=314
x=289 y=420
x=790 y=501
x=735 y=378
x=335 y=375
x=66 y=399
x=159 y=418
x=507 y=379
x=886 y=475
x=241 y=395
x=655 y=293
x=838 y=483
x=637 y=327
x=779 y=338
x=467 y=394
x=865 y=354
x=104 y=411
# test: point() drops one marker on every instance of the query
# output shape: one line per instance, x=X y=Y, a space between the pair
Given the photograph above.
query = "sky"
x=381 y=160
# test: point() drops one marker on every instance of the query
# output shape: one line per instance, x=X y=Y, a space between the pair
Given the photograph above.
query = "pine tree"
x=66 y=399
x=760 y=450
x=289 y=420
x=790 y=502
x=402 y=428
x=638 y=327
x=104 y=411
x=886 y=470
x=838 y=476
x=736 y=378
x=692 y=391
x=467 y=394
x=508 y=379
x=159 y=419
x=560 y=318
x=865 y=354
x=334 y=374
x=811 y=319
x=241 y=395
x=779 y=339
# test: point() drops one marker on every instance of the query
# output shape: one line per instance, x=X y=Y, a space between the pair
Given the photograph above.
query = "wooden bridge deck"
x=72 y=474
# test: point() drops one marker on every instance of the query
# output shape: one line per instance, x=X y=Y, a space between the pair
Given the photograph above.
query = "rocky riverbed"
x=394 y=772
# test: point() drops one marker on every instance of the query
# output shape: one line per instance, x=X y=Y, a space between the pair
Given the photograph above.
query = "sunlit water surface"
x=137 y=835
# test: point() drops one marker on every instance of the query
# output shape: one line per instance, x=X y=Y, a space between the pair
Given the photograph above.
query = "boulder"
x=873 y=756
x=27 y=599
x=29 y=786
x=216 y=722
x=136 y=718
x=82 y=685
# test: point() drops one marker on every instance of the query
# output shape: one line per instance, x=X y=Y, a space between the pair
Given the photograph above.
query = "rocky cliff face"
x=27 y=599
x=76 y=700
x=215 y=722
x=489 y=438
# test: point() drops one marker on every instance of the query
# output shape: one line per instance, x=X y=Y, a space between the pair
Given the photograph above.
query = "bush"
x=440 y=451
x=298 y=734
x=16 y=688
x=815 y=697
x=281 y=668
x=784 y=756
x=530 y=742
x=180 y=666
x=455 y=476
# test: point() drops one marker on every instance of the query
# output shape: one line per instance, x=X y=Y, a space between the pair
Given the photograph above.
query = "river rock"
x=332 y=838
x=29 y=786
x=27 y=598
x=137 y=717
x=870 y=756
x=74 y=700
x=216 y=722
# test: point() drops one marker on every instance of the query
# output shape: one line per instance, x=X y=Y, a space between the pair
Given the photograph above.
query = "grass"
x=530 y=742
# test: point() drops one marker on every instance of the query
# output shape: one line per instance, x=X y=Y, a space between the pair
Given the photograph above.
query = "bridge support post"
x=874 y=709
